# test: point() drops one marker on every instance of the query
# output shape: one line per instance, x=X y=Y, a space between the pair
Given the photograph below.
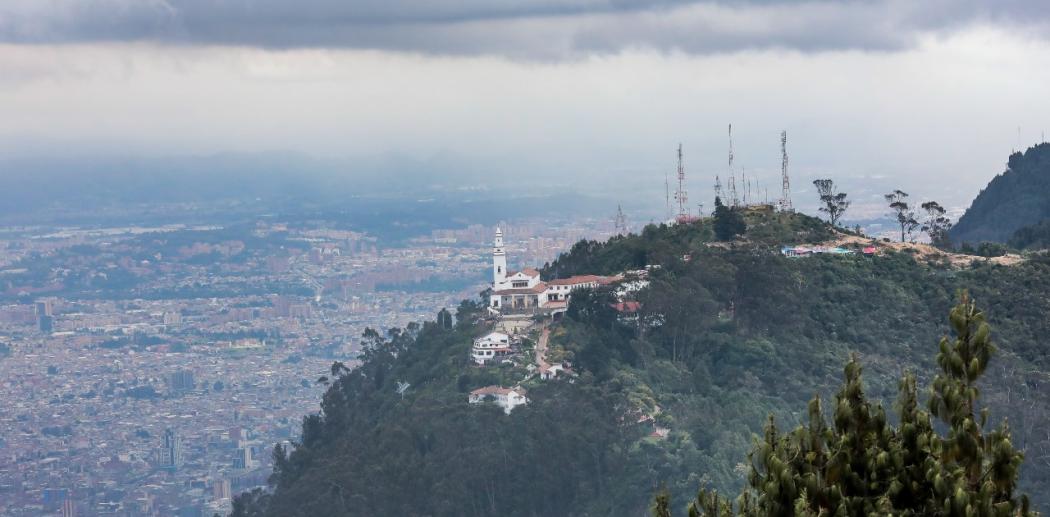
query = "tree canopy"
x=669 y=395
x=728 y=221
x=1012 y=200
x=860 y=464
x=832 y=202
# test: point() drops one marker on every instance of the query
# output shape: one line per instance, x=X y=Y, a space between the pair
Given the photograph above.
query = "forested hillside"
x=1017 y=198
x=673 y=395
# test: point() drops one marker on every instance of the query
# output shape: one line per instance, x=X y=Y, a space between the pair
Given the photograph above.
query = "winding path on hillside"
x=541 y=348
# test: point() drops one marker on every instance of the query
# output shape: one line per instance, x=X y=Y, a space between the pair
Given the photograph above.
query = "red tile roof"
x=497 y=390
x=579 y=279
x=628 y=306
x=537 y=289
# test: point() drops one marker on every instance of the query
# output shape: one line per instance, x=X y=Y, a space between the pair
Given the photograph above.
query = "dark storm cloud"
x=518 y=28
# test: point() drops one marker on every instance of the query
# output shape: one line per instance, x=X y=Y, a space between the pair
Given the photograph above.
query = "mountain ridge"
x=1016 y=198
x=723 y=338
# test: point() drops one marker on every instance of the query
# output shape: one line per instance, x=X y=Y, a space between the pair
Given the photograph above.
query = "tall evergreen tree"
x=861 y=465
x=728 y=222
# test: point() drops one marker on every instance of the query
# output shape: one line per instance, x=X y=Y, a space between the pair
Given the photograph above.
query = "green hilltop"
x=1014 y=200
x=673 y=395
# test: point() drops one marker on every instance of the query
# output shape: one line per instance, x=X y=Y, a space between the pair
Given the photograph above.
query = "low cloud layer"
x=543 y=29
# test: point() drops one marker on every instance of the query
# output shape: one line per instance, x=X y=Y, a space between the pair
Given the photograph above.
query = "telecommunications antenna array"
x=785 y=196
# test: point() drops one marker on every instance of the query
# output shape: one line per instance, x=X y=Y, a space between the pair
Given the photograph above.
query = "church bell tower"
x=499 y=260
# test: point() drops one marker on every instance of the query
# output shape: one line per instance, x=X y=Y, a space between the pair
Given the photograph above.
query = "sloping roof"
x=537 y=289
x=628 y=306
x=497 y=390
x=578 y=279
x=586 y=279
x=529 y=272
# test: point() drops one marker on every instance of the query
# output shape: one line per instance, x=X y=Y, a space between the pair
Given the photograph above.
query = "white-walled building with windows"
x=493 y=346
x=506 y=398
x=524 y=291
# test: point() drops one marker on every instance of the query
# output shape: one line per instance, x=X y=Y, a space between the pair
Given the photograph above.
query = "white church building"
x=524 y=291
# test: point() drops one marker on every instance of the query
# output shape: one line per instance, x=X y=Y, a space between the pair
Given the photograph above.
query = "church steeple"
x=499 y=260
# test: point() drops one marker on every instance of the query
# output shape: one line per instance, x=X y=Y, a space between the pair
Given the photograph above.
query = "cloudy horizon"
x=922 y=95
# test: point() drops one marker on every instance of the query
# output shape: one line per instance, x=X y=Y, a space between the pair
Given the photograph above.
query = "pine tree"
x=861 y=465
x=728 y=222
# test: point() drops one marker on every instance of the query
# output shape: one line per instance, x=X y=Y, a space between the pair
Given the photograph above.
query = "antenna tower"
x=733 y=199
x=667 y=197
x=745 y=185
x=680 y=195
x=785 y=196
x=730 y=147
x=729 y=170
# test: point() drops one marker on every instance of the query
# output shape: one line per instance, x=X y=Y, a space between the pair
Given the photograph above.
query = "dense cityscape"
x=150 y=370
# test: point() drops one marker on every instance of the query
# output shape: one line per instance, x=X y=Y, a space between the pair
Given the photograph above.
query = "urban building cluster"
x=150 y=370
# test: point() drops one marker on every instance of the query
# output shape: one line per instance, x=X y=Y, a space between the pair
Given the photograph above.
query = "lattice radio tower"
x=733 y=199
x=667 y=197
x=680 y=195
x=785 y=196
x=729 y=170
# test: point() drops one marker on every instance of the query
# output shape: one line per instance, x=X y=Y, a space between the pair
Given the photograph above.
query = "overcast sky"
x=922 y=95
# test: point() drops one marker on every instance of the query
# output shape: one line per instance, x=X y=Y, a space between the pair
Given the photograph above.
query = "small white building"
x=506 y=398
x=494 y=345
x=551 y=371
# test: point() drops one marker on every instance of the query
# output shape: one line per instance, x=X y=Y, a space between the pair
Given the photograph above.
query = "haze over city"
x=591 y=93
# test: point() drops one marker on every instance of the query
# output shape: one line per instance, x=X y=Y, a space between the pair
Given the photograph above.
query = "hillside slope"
x=1017 y=198
x=670 y=395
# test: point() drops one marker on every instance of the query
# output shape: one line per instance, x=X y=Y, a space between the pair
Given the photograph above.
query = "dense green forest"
x=673 y=396
x=1033 y=237
x=1017 y=198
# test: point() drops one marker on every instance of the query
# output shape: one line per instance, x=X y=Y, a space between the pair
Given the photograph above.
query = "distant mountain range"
x=1016 y=199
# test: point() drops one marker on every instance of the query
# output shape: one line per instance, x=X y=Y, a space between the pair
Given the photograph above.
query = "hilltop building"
x=524 y=291
x=506 y=398
x=492 y=346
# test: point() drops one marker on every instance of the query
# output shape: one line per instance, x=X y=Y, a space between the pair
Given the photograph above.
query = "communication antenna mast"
x=730 y=146
x=667 y=197
x=745 y=184
x=733 y=199
x=620 y=223
x=729 y=170
x=785 y=196
x=680 y=195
